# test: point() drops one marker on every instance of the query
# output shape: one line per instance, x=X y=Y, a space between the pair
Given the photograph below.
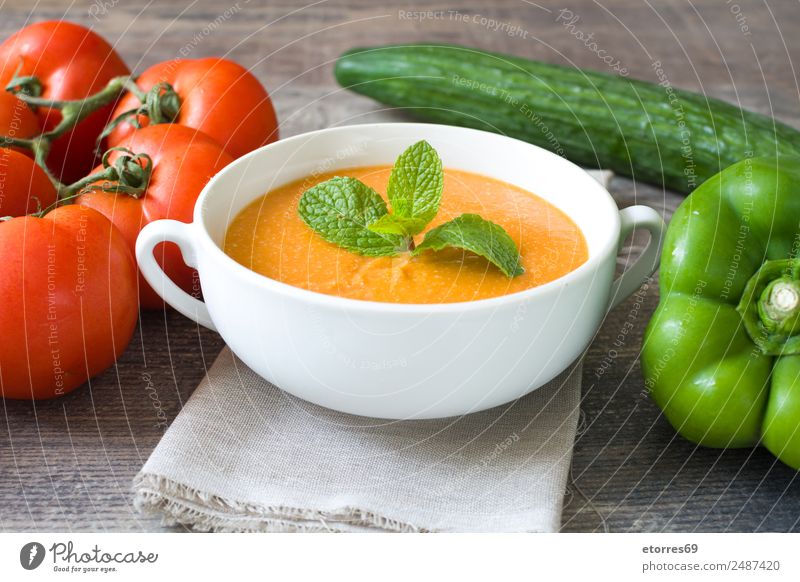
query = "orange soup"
x=270 y=238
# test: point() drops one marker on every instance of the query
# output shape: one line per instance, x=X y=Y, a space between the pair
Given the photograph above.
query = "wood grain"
x=68 y=464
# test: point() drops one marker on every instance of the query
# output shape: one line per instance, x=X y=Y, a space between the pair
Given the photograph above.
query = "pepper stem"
x=770 y=307
x=779 y=306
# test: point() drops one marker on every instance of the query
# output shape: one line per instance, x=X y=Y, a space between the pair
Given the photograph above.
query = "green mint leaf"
x=484 y=238
x=393 y=224
x=340 y=210
x=415 y=185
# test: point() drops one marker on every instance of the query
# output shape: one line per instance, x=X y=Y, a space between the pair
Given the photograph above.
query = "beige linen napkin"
x=243 y=455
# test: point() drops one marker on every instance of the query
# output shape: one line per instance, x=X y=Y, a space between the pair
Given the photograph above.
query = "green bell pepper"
x=721 y=354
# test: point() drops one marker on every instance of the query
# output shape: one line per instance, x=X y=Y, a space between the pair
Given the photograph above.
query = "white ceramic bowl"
x=394 y=360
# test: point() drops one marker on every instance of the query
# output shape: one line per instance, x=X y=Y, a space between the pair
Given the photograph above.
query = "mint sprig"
x=482 y=237
x=340 y=210
x=415 y=185
x=348 y=213
x=393 y=224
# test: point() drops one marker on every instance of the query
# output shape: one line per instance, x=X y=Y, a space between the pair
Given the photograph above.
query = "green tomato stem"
x=16 y=142
x=73 y=112
x=29 y=85
x=161 y=104
x=129 y=174
x=127 y=178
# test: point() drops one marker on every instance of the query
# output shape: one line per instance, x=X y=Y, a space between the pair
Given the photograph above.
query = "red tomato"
x=218 y=97
x=24 y=187
x=184 y=160
x=69 y=301
x=17 y=119
x=71 y=62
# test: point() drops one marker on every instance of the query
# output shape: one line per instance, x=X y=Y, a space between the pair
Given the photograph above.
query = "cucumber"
x=653 y=133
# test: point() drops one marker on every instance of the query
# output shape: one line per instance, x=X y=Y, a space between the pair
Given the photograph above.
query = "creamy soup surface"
x=269 y=237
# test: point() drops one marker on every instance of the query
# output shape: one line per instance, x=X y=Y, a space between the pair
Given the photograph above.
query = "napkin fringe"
x=180 y=504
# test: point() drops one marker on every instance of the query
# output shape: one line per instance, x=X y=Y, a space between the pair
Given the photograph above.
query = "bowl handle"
x=632 y=218
x=180 y=233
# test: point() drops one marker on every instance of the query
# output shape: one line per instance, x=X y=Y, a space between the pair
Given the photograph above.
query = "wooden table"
x=68 y=464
